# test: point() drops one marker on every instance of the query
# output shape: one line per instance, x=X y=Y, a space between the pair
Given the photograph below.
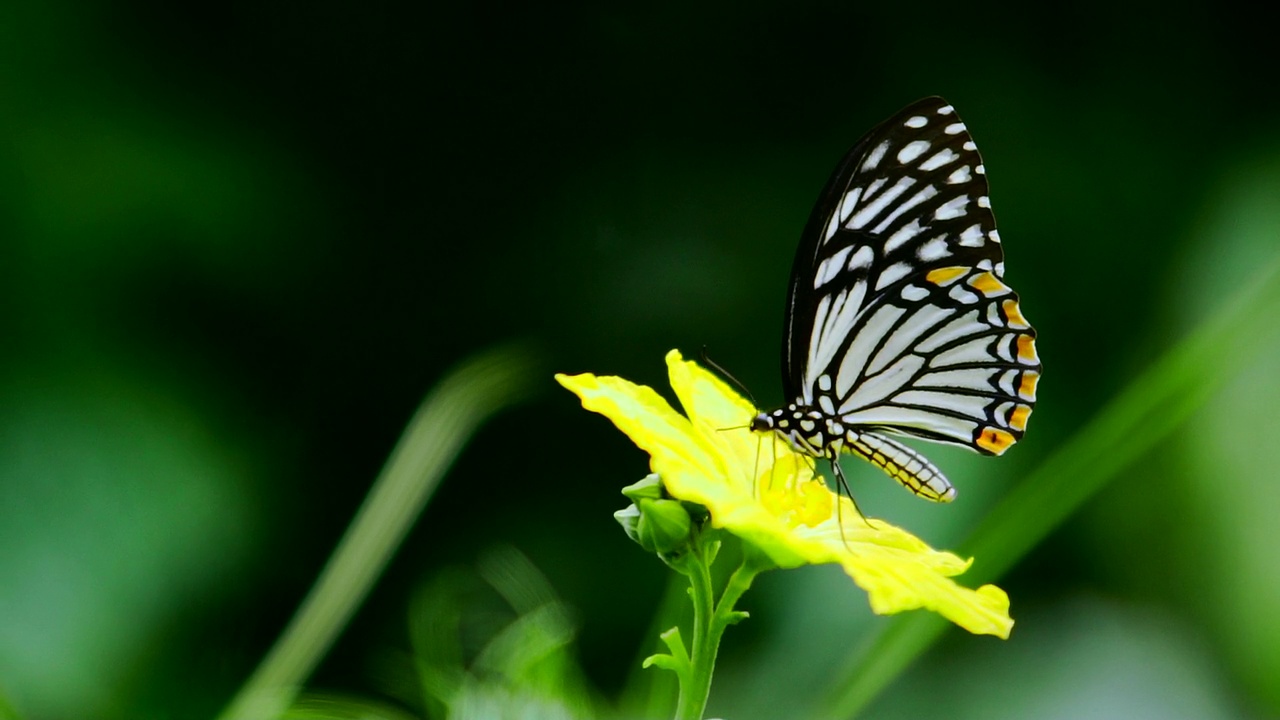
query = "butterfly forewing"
x=897 y=317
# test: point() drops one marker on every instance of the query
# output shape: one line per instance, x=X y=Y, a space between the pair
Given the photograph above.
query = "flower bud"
x=664 y=525
x=650 y=487
x=629 y=519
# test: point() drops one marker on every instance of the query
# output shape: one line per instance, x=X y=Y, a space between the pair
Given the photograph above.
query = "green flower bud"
x=650 y=487
x=629 y=519
x=664 y=526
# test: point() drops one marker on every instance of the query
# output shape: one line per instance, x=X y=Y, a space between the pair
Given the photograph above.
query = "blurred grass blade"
x=1145 y=412
x=447 y=418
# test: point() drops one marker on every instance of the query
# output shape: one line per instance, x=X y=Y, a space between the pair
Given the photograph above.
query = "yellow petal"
x=900 y=572
x=642 y=415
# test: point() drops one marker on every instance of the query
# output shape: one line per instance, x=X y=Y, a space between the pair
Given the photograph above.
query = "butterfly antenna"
x=706 y=359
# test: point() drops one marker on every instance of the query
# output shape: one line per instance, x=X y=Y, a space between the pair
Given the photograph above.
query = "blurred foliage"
x=448 y=417
x=238 y=241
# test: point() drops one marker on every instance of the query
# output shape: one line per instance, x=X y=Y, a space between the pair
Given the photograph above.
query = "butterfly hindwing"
x=897 y=312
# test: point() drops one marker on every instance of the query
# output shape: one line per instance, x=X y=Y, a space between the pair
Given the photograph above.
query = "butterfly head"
x=805 y=431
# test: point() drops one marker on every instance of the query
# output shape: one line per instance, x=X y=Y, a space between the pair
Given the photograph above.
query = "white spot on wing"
x=975 y=379
x=943 y=156
x=972 y=236
x=994 y=235
x=953 y=208
x=946 y=110
x=975 y=406
x=954 y=128
x=923 y=320
x=888 y=415
x=917 y=121
x=875 y=388
x=877 y=206
x=981 y=170
x=923 y=194
x=832 y=227
x=972 y=352
x=1003 y=347
x=993 y=315
x=862 y=258
x=968 y=145
x=874 y=157
x=914 y=293
x=912 y=150
x=828 y=269
x=966 y=324
x=892 y=274
x=907 y=333
x=830 y=334
x=935 y=249
x=815 y=337
x=984 y=202
x=902 y=235
x=959 y=176
x=961 y=295
x=855 y=359
x=849 y=203
x=825 y=403
x=1006 y=381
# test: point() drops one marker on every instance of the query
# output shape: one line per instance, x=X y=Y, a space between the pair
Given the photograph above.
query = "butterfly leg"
x=842 y=488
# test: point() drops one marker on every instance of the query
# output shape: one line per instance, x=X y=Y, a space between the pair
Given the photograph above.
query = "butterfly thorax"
x=807 y=429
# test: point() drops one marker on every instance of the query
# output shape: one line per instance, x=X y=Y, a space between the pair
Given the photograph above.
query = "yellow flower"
x=756 y=487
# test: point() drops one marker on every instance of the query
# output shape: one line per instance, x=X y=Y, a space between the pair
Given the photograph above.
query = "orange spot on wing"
x=994 y=440
x=1027 y=349
x=946 y=275
x=1014 y=313
x=1027 y=388
x=988 y=284
x=1018 y=419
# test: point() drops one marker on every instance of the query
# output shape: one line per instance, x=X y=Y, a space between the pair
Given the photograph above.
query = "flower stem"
x=709 y=622
x=696 y=686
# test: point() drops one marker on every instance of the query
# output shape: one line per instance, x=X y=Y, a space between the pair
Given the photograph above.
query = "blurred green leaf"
x=523 y=665
x=447 y=418
x=120 y=505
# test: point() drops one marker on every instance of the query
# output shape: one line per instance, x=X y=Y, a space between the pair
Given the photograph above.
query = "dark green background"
x=239 y=241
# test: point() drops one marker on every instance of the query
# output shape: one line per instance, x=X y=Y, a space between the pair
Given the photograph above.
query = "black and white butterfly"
x=897 y=320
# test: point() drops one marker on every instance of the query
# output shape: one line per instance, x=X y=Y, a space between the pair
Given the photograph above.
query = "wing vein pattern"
x=898 y=317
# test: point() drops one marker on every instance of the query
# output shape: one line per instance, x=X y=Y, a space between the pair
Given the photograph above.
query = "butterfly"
x=898 y=320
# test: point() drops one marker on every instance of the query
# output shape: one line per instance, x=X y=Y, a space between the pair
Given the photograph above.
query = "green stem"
x=696 y=687
x=709 y=622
